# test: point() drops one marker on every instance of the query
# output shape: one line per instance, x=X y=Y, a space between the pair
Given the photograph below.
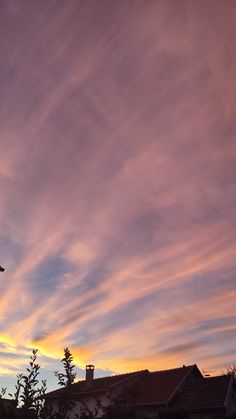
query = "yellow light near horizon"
x=8 y=341
x=52 y=347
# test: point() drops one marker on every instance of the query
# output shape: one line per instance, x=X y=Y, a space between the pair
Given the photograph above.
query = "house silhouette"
x=150 y=392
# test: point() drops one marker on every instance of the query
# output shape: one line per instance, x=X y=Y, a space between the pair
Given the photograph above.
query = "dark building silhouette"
x=150 y=392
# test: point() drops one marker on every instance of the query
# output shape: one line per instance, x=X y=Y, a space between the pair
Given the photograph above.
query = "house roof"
x=158 y=387
x=147 y=387
x=8 y=402
x=206 y=393
x=98 y=385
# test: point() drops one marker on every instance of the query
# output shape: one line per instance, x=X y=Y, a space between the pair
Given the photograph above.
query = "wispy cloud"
x=117 y=177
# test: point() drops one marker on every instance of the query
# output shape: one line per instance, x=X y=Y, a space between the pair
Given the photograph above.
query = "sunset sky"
x=118 y=184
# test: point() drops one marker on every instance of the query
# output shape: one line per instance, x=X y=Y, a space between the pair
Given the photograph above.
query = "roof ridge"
x=115 y=375
x=173 y=369
x=135 y=372
x=223 y=376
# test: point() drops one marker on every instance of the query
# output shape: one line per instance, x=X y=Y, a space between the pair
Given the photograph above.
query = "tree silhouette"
x=231 y=370
x=67 y=377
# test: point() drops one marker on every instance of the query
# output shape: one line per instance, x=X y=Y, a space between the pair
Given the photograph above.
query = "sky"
x=117 y=182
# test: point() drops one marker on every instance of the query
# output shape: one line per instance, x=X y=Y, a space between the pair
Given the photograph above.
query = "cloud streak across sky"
x=117 y=179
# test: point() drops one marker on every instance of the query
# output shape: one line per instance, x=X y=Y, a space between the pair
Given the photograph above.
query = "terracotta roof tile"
x=205 y=393
x=147 y=387
x=157 y=387
x=99 y=384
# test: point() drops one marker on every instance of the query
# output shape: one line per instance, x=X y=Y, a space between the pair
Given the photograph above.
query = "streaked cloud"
x=117 y=177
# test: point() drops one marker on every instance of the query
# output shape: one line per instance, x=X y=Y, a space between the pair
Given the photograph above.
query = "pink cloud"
x=118 y=166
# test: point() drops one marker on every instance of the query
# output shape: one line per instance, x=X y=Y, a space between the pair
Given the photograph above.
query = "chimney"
x=89 y=374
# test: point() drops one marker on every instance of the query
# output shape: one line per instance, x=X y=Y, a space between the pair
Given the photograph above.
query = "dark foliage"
x=231 y=370
x=67 y=377
x=28 y=394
